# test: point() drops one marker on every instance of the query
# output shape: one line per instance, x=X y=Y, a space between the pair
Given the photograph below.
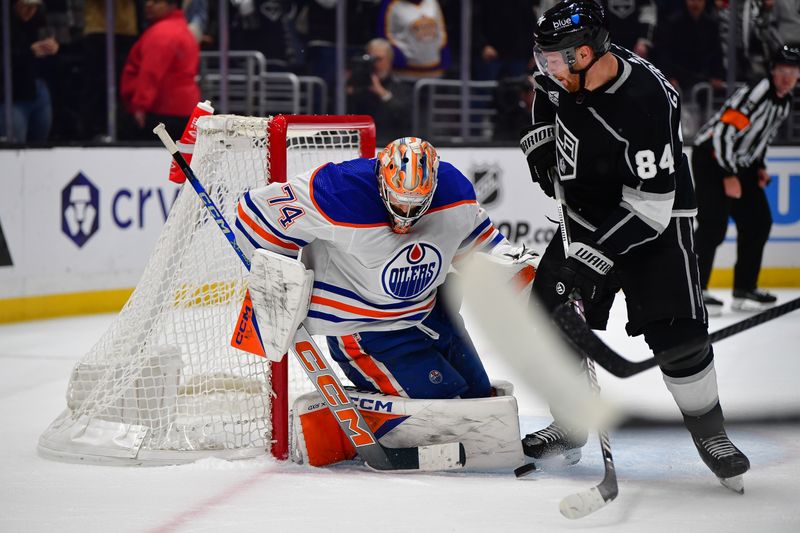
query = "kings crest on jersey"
x=366 y=277
x=624 y=136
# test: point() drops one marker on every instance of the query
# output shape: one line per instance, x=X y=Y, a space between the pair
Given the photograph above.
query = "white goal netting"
x=163 y=385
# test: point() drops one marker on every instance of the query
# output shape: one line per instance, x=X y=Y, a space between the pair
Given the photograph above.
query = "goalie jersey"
x=366 y=277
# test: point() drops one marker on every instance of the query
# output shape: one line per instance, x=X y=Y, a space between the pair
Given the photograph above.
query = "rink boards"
x=80 y=223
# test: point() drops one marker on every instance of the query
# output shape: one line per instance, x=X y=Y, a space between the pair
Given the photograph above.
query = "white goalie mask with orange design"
x=407 y=175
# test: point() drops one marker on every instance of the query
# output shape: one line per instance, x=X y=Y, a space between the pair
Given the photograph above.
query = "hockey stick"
x=587 y=501
x=350 y=419
x=587 y=342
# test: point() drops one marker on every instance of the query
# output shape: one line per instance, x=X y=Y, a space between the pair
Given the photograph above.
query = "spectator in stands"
x=416 y=31
x=375 y=90
x=197 y=16
x=785 y=20
x=32 y=112
x=268 y=26
x=93 y=100
x=318 y=34
x=498 y=31
x=158 y=81
x=752 y=36
x=64 y=71
x=315 y=21
x=688 y=48
x=513 y=100
x=633 y=23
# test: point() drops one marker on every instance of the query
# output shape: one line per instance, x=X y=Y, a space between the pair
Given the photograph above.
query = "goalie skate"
x=724 y=459
x=555 y=443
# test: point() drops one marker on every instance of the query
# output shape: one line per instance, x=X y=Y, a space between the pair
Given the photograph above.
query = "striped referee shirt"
x=748 y=121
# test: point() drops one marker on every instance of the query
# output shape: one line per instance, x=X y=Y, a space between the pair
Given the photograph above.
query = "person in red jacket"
x=158 y=81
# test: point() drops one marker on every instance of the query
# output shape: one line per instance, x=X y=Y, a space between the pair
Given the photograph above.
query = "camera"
x=361 y=70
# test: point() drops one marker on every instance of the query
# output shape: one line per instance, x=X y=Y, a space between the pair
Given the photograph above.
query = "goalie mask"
x=407 y=174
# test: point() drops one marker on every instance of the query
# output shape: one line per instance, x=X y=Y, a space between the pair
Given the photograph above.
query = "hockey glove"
x=585 y=269
x=539 y=145
x=523 y=255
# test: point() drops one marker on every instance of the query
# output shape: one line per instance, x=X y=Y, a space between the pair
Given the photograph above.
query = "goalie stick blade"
x=582 y=503
x=432 y=458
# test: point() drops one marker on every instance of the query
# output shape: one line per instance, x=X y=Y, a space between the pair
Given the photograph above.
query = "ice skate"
x=713 y=305
x=754 y=300
x=724 y=459
x=555 y=443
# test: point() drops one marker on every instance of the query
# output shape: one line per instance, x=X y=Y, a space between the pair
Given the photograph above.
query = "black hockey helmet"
x=573 y=23
x=562 y=29
x=788 y=54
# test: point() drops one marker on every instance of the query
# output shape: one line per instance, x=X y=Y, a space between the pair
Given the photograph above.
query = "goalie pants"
x=436 y=360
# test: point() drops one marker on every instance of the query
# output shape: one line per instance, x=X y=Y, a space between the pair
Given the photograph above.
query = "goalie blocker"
x=487 y=427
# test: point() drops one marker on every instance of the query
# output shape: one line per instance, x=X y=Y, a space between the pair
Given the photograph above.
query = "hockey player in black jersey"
x=606 y=126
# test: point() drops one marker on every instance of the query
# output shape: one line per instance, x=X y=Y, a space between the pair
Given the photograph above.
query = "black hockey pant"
x=751 y=214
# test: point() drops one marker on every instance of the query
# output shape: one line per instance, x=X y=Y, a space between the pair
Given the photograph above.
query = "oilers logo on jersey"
x=412 y=270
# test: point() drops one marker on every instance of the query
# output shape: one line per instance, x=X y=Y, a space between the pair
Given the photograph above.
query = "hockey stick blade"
x=586 y=342
x=587 y=501
x=351 y=421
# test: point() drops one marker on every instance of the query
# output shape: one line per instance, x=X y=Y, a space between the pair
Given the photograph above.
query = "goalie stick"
x=350 y=419
x=586 y=342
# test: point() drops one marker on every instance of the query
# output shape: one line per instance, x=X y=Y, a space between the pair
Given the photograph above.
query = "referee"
x=730 y=177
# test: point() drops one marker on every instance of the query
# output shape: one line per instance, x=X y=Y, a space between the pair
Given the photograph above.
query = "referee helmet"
x=788 y=54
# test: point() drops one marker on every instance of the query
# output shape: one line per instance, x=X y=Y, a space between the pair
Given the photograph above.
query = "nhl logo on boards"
x=435 y=377
x=411 y=271
x=80 y=201
x=486 y=182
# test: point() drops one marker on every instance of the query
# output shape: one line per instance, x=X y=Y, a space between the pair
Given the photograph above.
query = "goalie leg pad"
x=487 y=427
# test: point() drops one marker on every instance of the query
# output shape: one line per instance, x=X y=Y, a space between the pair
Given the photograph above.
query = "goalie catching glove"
x=585 y=269
x=538 y=143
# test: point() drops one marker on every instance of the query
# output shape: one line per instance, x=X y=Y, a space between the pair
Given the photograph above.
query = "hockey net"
x=163 y=385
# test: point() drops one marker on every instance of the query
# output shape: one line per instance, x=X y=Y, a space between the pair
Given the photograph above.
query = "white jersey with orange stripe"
x=366 y=277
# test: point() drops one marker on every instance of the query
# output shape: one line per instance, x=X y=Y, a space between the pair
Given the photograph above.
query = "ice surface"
x=664 y=487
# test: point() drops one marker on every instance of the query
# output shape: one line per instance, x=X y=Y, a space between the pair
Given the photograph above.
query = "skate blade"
x=561 y=460
x=735 y=483
x=748 y=306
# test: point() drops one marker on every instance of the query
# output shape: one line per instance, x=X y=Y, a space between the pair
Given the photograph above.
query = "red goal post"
x=278 y=131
